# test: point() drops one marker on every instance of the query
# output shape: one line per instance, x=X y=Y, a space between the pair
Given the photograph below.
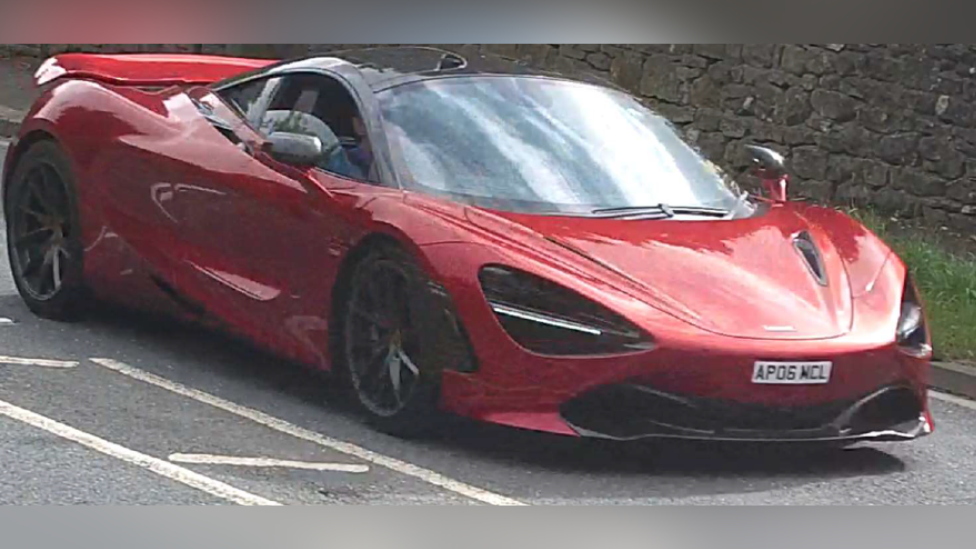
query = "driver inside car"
x=361 y=153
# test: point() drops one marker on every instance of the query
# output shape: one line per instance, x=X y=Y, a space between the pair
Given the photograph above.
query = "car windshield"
x=540 y=145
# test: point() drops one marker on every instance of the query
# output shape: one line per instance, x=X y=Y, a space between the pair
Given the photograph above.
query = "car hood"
x=741 y=278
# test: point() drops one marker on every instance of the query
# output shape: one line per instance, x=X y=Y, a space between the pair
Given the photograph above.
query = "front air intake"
x=804 y=244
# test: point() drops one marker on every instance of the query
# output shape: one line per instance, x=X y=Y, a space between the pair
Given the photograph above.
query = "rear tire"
x=44 y=233
x=386 y=361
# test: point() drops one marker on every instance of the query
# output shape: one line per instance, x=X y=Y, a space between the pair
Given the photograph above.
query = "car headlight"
x=549 y=319
x=912 y=335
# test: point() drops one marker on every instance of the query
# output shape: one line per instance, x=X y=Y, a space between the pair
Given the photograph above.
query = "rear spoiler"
x=156 y=70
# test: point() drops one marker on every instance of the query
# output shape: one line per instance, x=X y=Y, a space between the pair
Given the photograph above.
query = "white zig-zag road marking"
x=158 y=466
x=42 y=362
x=280 y=425
x=209 y=459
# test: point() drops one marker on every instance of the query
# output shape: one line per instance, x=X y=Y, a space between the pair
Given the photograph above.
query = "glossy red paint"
x=169 y=206
x=690 y=359
x=145 y=69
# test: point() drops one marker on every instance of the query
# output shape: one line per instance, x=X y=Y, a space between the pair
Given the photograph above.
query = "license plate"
x=791 y=373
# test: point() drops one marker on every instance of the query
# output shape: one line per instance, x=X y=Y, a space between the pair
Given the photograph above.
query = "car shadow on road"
x=479 y=442
x=666 y=457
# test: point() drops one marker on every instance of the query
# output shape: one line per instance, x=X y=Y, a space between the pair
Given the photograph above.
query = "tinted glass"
x=542 y=145
x=250 y=97
x=321 y=107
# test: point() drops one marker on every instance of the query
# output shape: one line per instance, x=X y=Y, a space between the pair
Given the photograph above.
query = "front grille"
x=634 y=410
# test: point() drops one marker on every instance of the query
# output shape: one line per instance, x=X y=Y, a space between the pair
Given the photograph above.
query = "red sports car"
x=464 y=235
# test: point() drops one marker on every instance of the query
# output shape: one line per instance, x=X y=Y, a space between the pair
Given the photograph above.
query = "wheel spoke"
x=394 y=367
x=405 y=360
x=371 y=318
x=377 y=371
x=373 y=366
x=56 y=267
x=40 y=191
x=34 y=182
x=34 y=262
x=33 y=213
x=43 y=275
x=33 y=237
x=374 y=348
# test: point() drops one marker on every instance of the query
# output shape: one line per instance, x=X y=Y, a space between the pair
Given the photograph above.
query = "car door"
x=270 y=235
x=168 y=176
x=234 y=217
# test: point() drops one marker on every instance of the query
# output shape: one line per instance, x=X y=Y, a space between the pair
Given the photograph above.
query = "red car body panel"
x=170 y=207
x=145 y=69
x=527 y=390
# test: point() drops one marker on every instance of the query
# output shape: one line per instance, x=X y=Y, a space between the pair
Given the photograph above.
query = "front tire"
x=386 y=355
x=44 y=233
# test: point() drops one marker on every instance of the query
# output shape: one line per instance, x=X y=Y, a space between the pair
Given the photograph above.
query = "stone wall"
x=893 y=126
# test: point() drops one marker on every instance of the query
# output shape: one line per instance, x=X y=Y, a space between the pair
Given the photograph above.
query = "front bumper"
x=631 y=411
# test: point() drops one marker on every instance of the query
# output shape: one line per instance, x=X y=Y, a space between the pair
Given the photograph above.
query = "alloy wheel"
x=40 y=229
x=380 y=339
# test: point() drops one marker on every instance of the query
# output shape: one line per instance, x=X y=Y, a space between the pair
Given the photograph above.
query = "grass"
x=946 y=280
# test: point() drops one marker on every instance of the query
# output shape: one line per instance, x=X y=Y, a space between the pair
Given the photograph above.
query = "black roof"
x=388 y=66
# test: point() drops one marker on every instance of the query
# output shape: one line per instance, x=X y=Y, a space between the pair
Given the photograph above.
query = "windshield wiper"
x=650 y=212
x=700 y=210
x=660 y=211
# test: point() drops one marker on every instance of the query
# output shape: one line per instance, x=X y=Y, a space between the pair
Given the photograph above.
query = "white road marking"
x=43 y=362
x=208 y=459
x=158 y=466
x=953 y=399
x=399 y=466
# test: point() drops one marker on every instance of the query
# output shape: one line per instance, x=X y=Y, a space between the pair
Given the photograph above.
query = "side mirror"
x=770 y=166
x=294 y=148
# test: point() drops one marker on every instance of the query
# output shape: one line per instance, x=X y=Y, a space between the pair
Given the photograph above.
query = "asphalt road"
x=78 y=430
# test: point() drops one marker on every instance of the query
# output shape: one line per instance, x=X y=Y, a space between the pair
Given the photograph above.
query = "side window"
x=320 y=106
x=250 y=98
